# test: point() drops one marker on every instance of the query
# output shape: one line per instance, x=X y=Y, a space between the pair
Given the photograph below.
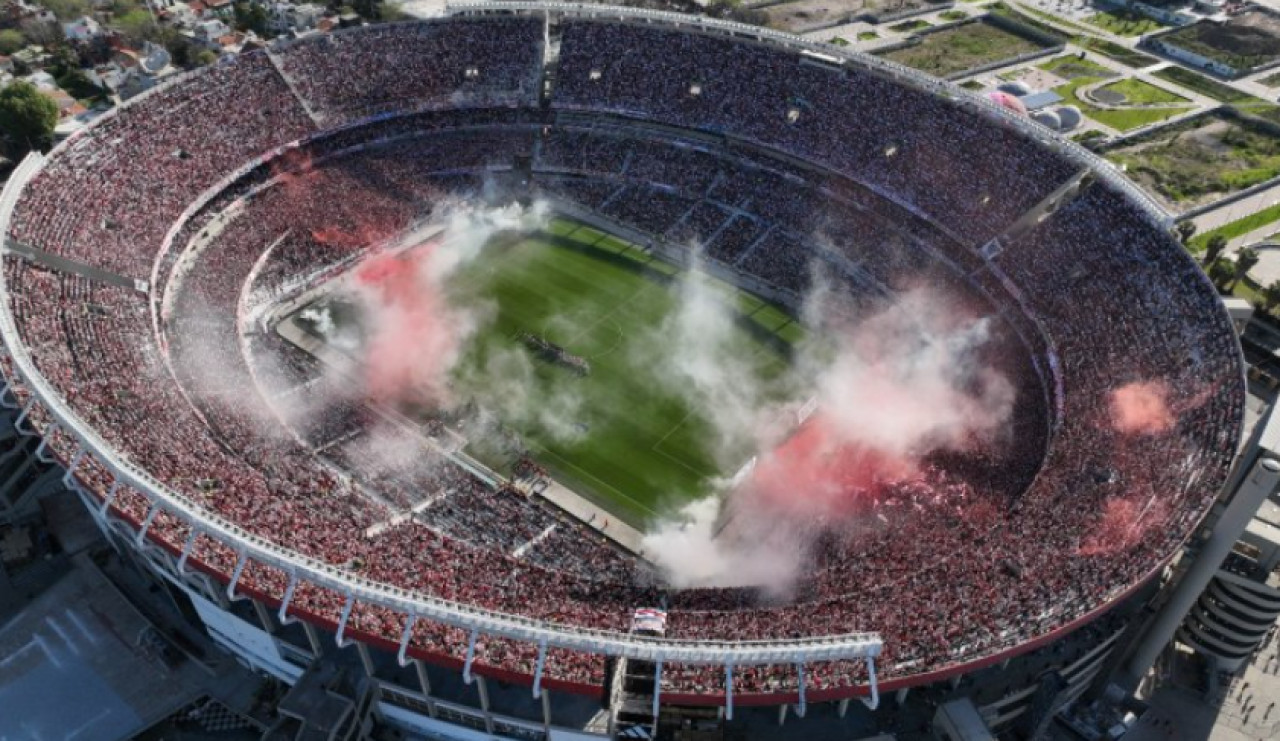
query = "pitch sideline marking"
x=681 y=463
x=606 y=484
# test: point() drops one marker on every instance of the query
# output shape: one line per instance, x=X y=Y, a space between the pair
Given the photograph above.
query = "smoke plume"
x=890 y=389
x=1142 y=408
x=416 y=334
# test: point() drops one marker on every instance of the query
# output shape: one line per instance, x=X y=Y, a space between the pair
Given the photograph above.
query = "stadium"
x=629 y=149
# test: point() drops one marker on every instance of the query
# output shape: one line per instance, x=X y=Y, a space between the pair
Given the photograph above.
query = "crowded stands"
x=877 y=184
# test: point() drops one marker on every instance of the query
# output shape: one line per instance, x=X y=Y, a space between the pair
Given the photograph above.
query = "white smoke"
x=513 y=395
x=417 y=331
x=911 y=380
x=689 y=550
x=891 y=387
x=699 y=353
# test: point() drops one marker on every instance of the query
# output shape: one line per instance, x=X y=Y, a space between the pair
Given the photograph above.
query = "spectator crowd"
x=882 y=185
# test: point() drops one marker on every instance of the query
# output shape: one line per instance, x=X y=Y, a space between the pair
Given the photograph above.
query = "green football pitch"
x=623 y=435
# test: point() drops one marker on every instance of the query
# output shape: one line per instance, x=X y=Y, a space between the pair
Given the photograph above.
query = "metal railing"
x=491 y=622
x=467 y=617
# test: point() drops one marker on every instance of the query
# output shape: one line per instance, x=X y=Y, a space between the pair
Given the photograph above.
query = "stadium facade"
x=105 y=234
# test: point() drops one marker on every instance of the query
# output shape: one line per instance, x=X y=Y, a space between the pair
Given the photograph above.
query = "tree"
x=1271 y=297
x=44 y=34
x=1186 y=230
x=251 y=16
x=67 y=10
x=181 y=52
x=390 y=13
x=1245 y=260
x=137 y=25
x=77 y=84
x=27 y=117
x=1220 y=272
x=206 y=57
x=63 y=57
x=1213 y=248
x=11 y=40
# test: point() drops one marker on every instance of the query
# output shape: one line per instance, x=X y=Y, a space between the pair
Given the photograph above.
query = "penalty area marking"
x=657 y=448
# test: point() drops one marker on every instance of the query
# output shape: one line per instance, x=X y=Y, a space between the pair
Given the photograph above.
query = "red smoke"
x=415 y=337
x=905 y=384
x=1124 y=523
x=818 y=473
x=1142 y=408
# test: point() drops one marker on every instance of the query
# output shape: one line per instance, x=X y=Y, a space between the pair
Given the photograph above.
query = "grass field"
x=1206 y=86
x=1028 y=16
x=960 y=48
x=1122 y=54
x=1125 y=22
x=1265 y=111
x=1199 y=161
x=1239 y=227
x=1070 y=66
x=1082 y=72
x=1137 y=92
x=637 y=445
x=1250 y=39
x=909 y=26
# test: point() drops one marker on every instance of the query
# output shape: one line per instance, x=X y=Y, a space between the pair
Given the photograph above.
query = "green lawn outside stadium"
x=638 y=448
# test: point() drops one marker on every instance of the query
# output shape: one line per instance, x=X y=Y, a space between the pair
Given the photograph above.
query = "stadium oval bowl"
x=1078 y=260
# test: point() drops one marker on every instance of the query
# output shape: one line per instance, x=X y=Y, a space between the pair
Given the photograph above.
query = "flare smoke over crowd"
x=890 y=387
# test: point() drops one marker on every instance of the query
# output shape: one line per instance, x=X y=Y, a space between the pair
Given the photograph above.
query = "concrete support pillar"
x=802 y=707
x=313 y=638
x=902 y=695
x=728 y=691
x=657 y=688
x=365 y=659
x=537 y=674
x=471 y=655
x=423 y=680
x=425 y=683
x=264 y=616
x=483 y=688
x=782 y=713
x=546 y=711
x=842 y=707
x=1262 y=479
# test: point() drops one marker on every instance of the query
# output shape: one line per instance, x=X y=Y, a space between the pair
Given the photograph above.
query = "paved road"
x=1238 y=210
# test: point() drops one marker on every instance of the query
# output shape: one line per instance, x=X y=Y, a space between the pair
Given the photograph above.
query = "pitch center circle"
x=573 y=343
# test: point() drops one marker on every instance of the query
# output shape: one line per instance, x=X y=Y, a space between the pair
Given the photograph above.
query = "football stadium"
x=615 y=353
